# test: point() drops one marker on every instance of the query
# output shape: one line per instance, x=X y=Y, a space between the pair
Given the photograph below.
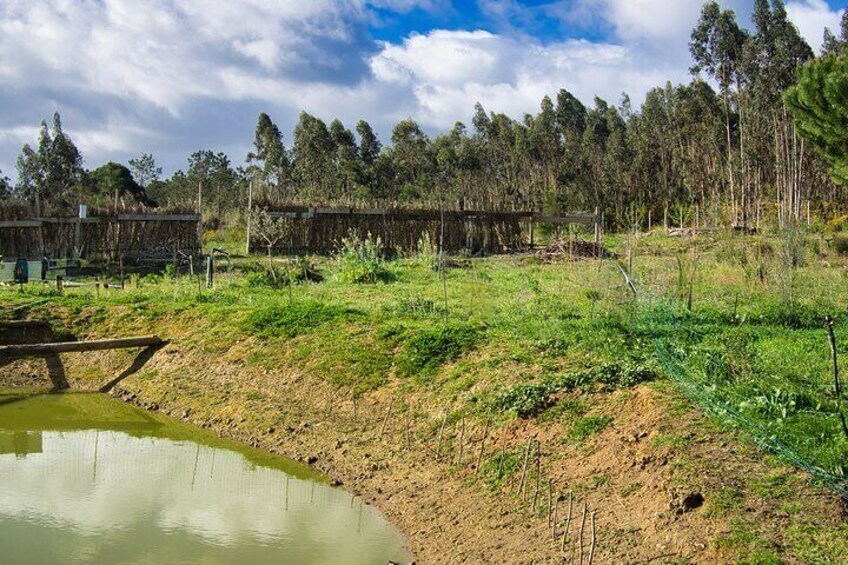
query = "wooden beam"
x=7 y=351
x=71 y=220
x=20 y=224
x=18 y=324
x=158 y=217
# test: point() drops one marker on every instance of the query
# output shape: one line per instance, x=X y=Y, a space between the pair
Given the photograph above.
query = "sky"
x=169 y=77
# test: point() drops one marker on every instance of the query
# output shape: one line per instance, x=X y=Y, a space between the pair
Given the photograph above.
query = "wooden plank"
x=20 y=224
x=21 y=324
x=7 y=351
x=158 y=217
x=71 y=220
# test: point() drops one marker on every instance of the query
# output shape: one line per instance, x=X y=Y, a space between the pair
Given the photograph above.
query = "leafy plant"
x=426 y=350
x=291 y=320
x=361 y=260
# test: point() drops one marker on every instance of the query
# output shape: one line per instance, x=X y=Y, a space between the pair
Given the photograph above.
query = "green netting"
x=723 y=405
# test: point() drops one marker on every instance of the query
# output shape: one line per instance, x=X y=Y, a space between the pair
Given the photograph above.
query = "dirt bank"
x=661 y=482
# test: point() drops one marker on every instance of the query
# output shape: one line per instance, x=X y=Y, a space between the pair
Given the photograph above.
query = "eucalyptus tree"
x=313 y=158
x=413 y=160
x=369 y=151
x=52 y=173
x=832 y=44
x=772 y=57
x=716 y=47
x=348 y=166
x=268 y=162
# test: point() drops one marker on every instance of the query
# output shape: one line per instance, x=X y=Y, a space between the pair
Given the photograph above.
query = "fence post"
x=210 y=270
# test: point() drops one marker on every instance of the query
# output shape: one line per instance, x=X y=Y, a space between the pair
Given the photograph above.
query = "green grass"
x=523 y=339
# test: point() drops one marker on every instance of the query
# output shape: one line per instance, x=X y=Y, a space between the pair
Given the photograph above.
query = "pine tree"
x=819 y=102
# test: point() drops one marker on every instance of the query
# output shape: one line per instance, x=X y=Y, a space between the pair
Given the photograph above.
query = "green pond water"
x=87 y=479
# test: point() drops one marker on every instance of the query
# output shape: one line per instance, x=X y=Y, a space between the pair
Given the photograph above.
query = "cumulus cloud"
x=812 y=17
x=172 y=76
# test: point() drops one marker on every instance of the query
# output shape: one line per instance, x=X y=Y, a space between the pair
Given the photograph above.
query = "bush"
x=292 y=320
x=361 y=260
x=427 y=350
x=840 y=245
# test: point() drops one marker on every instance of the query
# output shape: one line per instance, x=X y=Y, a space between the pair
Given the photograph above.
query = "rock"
x=312 y=459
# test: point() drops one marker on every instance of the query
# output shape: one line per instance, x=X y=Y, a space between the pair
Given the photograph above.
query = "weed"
x=425 y=350
x=586 y=427
x=291 y=320
x=360 y=260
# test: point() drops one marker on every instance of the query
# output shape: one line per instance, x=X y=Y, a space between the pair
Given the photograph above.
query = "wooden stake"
x=482 y=447
x=461 y=441
x=550 y=499
x=521 y=483
x=837 y=386
x=592 y=544
x=554 y=521
x=582 y=528
x=538 y=475
x=441 y=432
x=567 y=523
x=406 y=433
x=386 y=419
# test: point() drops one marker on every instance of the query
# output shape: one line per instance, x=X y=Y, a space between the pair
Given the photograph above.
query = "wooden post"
x=249 y=214
x=59 y=286
x=210 y=271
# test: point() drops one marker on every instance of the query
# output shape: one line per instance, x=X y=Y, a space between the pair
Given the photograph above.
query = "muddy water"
x=87 y=479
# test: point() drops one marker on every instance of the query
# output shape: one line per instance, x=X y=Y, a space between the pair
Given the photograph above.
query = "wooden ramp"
x=41 y=349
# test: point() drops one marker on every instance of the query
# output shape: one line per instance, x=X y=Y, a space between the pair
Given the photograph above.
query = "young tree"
x=144 y=170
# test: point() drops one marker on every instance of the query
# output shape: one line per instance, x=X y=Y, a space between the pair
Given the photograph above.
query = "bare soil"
x=656 y=478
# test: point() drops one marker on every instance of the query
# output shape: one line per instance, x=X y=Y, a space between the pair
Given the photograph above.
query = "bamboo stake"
x=582 y=528
x=441 y=433
x=592 y=544
x=482 y=447
x=406 y=426
x=554 y=521
x=461 y=441
x=538 y=475
x=386 y=419
x=567 y=523
x=521 y=484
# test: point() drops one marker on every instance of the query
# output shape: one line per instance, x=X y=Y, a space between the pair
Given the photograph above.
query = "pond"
x=87 y=479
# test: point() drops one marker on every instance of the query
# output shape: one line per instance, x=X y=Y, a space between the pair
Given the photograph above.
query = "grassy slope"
x=558 y=345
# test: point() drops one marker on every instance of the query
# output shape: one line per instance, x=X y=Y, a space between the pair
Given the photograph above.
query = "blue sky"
x=169 y=77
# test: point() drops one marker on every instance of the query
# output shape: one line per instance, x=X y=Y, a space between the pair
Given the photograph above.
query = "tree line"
x=724 y=149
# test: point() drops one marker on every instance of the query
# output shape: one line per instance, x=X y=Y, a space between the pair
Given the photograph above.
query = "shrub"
x=427 y=350
x=526 y=401
x=361 y=260
x=291 y=320
x=840 y=245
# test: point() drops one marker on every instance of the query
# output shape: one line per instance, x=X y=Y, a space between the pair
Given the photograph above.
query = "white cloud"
x=812 y=17
x=171 y=76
